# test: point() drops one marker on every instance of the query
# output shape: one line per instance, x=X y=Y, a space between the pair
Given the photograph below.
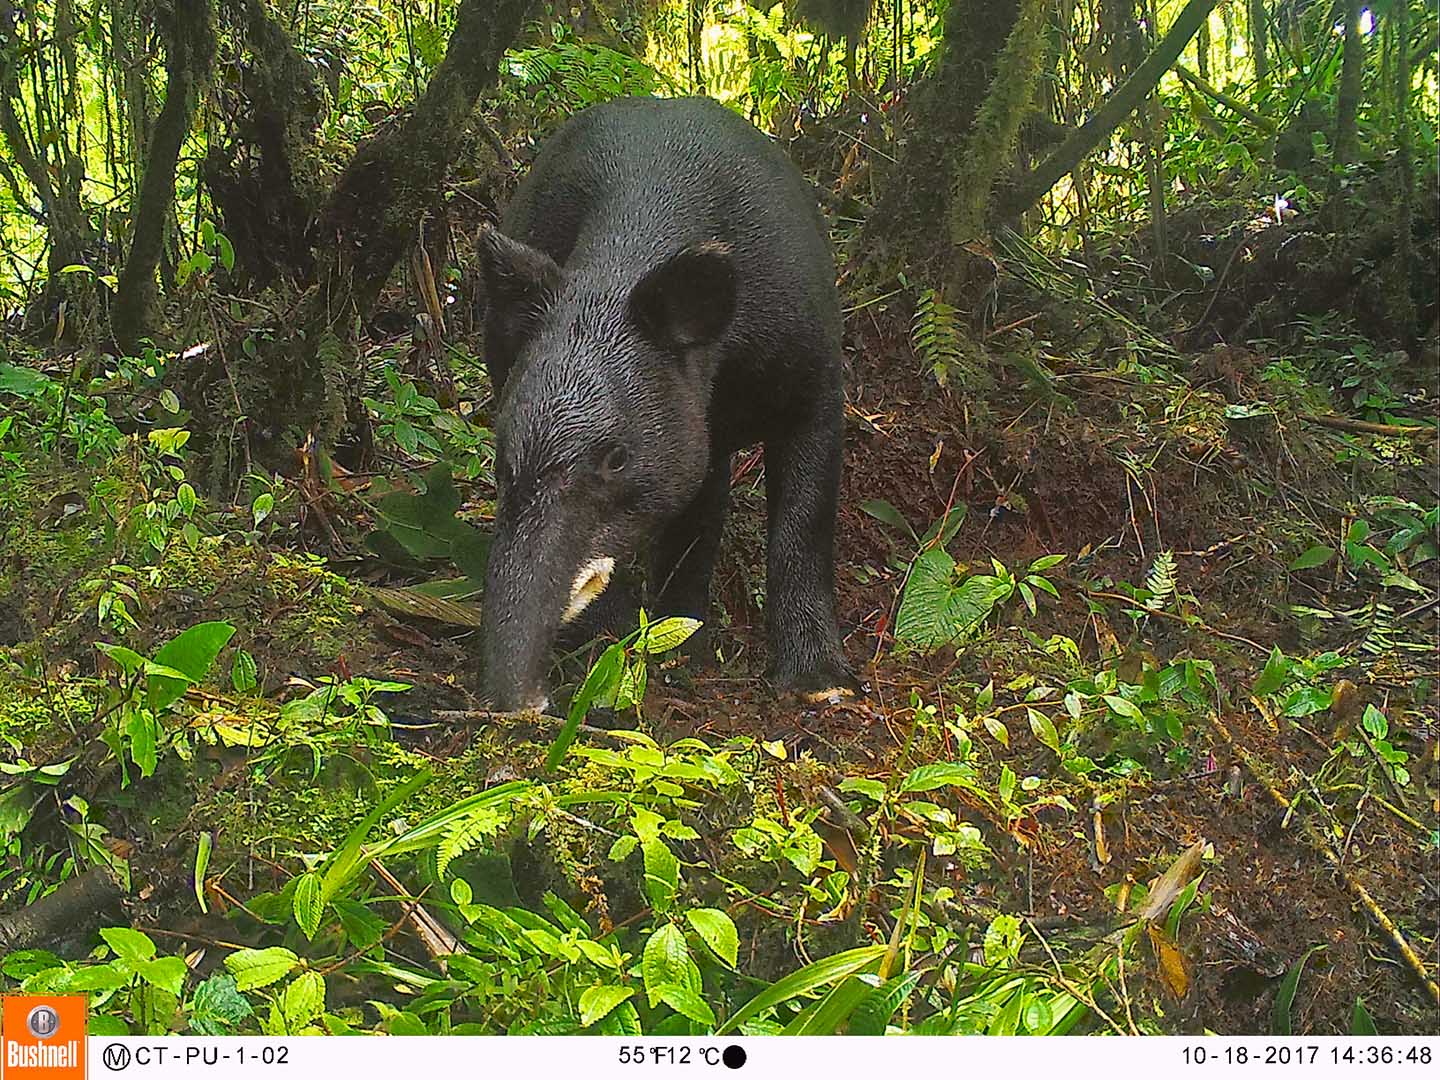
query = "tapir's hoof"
x=827 y=686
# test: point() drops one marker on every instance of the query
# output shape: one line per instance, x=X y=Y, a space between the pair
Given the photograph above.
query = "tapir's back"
x=623 y=185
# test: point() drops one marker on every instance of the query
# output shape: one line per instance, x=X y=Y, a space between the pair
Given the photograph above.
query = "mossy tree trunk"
x=917 y=215
x=1352 y=71
x=1259 y=27
x=263 y=175
x=296 y=387
x=189 y=55
x=987 y=148
x=53 y=167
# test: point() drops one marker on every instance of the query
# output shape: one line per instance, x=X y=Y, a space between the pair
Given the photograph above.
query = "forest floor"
x=1246 y=613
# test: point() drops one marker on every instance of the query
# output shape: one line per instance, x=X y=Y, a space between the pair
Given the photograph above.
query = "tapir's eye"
x=613 y=459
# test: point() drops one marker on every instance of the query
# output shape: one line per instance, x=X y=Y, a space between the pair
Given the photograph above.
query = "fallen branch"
x=1321 y=846
x=73 y=907
x=1341 y=423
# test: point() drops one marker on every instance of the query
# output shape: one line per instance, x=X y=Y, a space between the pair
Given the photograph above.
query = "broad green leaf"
x=217 y=1006
x=1311 y=557
x=1122 y=707
x=190 y=652
x=362 y=927
x=129 y=945
x=1044 y=729
x=166 y=972
x=254 y=968
x=997 y=730
x=308 y=903
x=884 y=511
x=226 y=251
x=128 y=660
x=937 y=775
x=303 y=1000
x=807 y=980
x=1374 y=722
x=597 y=1002
x=662 y=873
x=666 y=634
x=144 y=734
x=243 y=672
x=687 y=1003
x=663 y=962
x=718 y=932
x=1277 y=668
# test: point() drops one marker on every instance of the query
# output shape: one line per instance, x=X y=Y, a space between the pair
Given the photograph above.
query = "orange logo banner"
x=43 y=1038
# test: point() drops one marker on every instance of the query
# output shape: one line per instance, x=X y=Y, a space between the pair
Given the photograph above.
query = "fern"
x=1161 y=581
x=577 y=75
x=1379 y=622
x=465 y=833
x=935 y=334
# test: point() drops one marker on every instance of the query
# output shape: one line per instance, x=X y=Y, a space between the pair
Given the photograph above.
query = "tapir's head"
x=601 y=436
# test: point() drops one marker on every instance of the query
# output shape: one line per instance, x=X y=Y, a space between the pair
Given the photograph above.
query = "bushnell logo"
x=44 y=1038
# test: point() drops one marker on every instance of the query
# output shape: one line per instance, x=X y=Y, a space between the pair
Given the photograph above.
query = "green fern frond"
x=465 y=834
x=1161 y=583
x=935 y=334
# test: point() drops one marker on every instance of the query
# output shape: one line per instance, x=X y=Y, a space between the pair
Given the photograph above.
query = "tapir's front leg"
x=802 y=493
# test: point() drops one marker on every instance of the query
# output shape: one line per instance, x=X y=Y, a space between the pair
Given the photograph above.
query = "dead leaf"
x=418 y=605
x=1171 y=962
x=1165 y=888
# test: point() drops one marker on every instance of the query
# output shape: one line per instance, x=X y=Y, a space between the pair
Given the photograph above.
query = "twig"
x=1086 y=999
x=1177 y=618
x=1343 y=423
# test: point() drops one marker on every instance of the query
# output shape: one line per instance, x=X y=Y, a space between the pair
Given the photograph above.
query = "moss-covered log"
x=189 y=53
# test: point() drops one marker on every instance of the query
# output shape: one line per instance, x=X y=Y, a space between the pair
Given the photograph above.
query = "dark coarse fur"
x=660 y=294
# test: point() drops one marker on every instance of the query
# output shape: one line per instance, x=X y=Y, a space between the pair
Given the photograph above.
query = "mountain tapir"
x=660 y=293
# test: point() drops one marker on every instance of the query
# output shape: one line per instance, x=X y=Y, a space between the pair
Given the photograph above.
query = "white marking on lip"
x=589 y=584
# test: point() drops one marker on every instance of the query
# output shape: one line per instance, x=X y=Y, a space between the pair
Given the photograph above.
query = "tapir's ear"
x=516 y=275
x=689 y=299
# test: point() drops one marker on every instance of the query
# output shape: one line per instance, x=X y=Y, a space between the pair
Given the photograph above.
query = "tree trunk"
x=1202 y=49
x=918 y=191
x=1405 y=174
x=189 y=53
x=1352 y=71
x=1120 y=104
x=1258 y=20
x=298 y=386
x=265 y=178
x=991 y=139
x=57 y=174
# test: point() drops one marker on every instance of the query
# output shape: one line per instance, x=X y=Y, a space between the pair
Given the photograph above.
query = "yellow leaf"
x=1171 y=961
x=775 y=749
